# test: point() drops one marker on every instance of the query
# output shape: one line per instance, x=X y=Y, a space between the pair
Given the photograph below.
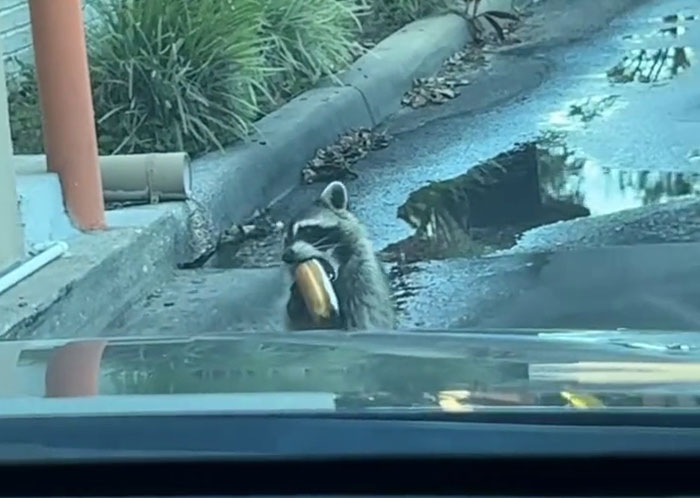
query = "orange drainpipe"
x=70 y=139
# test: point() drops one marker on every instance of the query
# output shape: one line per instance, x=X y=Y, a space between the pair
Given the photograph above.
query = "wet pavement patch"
x=581 y=112
x=673 y=26
x=478 y=212
x=675 y=18
x=651 y=65
x=402 y=288
x=666 y=32
x=694 y=155
x=673 y=31
x=536 y=183
x=334 y=162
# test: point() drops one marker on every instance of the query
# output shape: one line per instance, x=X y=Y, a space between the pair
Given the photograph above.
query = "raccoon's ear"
x=335 y=195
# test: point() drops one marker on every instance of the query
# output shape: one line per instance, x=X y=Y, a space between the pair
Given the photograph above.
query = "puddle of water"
x=402 y=287
x=694 y=156
x=569 y=178
x=480 y=211
x=673 y=31
x=680 y=22
x=668 y=32
x=652 y=66
x=536 y=183
x=676 y=18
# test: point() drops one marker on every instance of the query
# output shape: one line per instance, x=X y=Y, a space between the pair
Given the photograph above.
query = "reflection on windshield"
x=464 y=373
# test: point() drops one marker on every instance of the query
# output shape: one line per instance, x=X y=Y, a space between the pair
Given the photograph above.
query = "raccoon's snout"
x=290 y=256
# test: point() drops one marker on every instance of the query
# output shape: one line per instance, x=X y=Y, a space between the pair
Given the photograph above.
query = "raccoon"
x=330 y=233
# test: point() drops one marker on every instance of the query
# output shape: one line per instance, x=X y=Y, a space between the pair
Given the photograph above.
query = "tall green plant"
x=176 y=74
x=398 y=12
x=24 y=109
x=475 y=17
x=309 y=39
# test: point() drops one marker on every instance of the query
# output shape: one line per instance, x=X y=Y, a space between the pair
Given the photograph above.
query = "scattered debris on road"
x=259 y=226
x=443 y=87
x=694 y=155
x=256 y=243
x=434 y=90
x=333 y=162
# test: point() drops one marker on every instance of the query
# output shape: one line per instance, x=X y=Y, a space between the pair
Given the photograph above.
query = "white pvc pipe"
x=37 y=262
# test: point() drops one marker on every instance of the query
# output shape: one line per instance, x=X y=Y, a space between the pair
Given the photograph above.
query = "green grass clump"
x=395 y=13
x=194 y=75
x=175 y=74
x=24 y=109
x=309 y=39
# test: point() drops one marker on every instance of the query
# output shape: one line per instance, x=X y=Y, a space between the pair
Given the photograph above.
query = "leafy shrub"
x=24 y=110
x=395 y=13
x=175 y=74
x=192 y=75
x=475 y=17
x=309 y=39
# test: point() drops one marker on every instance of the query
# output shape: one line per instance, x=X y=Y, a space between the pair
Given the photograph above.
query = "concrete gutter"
x=104 y=273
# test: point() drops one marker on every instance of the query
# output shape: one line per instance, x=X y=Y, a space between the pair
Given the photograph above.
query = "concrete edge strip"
x=85 y=293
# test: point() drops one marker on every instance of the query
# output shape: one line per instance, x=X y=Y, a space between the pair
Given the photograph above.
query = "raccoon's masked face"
x=318 y=232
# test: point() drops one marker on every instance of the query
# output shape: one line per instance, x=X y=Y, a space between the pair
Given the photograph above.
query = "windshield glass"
x=350 y=204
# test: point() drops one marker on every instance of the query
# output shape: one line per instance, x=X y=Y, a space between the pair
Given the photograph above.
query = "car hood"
x=328 y=370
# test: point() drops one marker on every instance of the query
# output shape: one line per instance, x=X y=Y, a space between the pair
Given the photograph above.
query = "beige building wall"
x=16 y=32
x=11 y=233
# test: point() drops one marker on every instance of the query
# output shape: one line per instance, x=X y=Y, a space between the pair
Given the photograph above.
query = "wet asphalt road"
x=588 y=282
x=652 y=127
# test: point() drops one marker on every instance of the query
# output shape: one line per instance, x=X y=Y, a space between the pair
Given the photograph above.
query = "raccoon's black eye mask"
x=321 y=237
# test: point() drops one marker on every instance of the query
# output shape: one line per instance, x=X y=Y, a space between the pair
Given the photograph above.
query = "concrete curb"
x=416 y=51
x=80 y=293
x=231 y=185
